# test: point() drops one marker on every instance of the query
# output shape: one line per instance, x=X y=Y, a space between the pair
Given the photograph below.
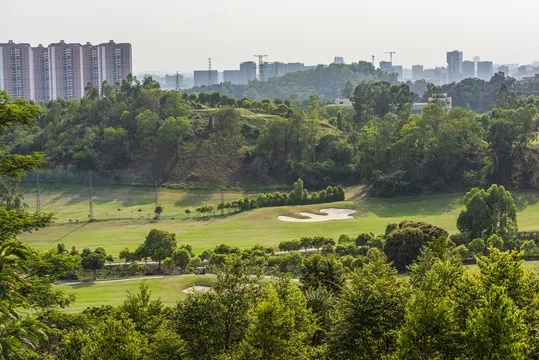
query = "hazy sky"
x=170 y=35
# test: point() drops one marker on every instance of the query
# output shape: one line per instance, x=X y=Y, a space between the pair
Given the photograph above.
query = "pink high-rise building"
x=116 y=61
x=16 y=69
x=61 y=70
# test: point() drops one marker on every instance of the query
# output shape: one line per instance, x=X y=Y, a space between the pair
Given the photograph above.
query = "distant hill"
x=327 y=82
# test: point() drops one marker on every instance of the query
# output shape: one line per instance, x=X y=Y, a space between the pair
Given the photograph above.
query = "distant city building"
x=440 y=99
x=233 y=76
x=277 y=69
x=476 y=60
x=61 y=70
x=454 y=66
x=16 y=70
x=205 y=77
x=485 y=70
x=116 y=61
x=417 y=72
x=343 y=102
x=67 y=76
x=248 y=71
x=437 y=76
x=42 y=71
x=338 y=60
x=530 y=79
x=385 y=66
x=468 y=69
x=504 y=69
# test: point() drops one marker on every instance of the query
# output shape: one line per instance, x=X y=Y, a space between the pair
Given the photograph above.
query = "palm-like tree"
x=19 y=333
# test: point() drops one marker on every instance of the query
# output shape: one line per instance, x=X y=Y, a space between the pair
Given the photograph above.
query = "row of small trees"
x=298 y=196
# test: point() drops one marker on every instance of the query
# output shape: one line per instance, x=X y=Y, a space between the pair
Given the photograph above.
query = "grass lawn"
x=255 y=226
x=70 y=202
x=169 y=289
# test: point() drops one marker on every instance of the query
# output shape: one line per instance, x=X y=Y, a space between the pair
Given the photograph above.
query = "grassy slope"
x=169 y=289
x=242 y=229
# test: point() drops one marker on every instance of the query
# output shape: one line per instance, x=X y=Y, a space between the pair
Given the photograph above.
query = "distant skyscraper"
x=339 y=60
x=66 y=70
x=485 y=70
x=248 y=71
x=454 y=65
x=91 y=66
x=417 y=72
x=42 y=73
x=16 y=68
x=234 y=77
x=205 y=77
x=476 y=60
x=116 y=61
x=468 y=69
x=385 y=66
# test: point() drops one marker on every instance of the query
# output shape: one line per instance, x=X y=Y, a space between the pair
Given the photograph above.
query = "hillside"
x=140 y=134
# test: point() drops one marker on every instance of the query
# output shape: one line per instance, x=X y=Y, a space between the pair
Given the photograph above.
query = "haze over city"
x=181 y=35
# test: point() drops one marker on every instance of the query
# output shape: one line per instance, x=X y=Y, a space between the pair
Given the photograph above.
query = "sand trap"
x=194 y=289
x=332 y=214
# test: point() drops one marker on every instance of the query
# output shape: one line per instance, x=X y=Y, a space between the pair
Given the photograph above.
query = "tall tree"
x=368 y=312
x=159 y=244
x=488 y=212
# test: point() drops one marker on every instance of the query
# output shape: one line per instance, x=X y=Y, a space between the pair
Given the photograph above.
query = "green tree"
x=281 y=325
x=20 y=330
x=158 y=211
x=114 y=339
x=181 y=258
x=146 y=314
x=172 y=133
x=322 y=271
x=93 y=261
x=368 y=312
x=380 y=98
x=159 y=244
x=488 y=212
x=216 y=321
x=404 y=243
x=495 y=329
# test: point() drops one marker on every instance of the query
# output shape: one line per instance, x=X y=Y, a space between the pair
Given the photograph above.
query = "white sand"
x=332 y=214
x=193 y=289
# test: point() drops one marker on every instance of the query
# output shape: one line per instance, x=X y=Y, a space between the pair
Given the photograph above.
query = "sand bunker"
x=193 y=289
x=332 y=214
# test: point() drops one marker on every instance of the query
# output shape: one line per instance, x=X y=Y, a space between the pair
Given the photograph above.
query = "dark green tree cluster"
x=440 y=311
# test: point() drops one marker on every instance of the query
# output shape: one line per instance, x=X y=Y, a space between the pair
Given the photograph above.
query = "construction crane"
x=260 y=66
x=390 y=56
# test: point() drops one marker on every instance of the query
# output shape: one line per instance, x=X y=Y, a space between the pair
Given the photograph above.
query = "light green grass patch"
x=169 y=289
x=261 y=226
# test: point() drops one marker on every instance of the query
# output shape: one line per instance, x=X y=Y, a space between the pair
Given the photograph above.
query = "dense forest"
x=144 y=134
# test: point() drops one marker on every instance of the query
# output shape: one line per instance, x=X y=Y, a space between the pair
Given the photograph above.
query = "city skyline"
x=180 y=35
